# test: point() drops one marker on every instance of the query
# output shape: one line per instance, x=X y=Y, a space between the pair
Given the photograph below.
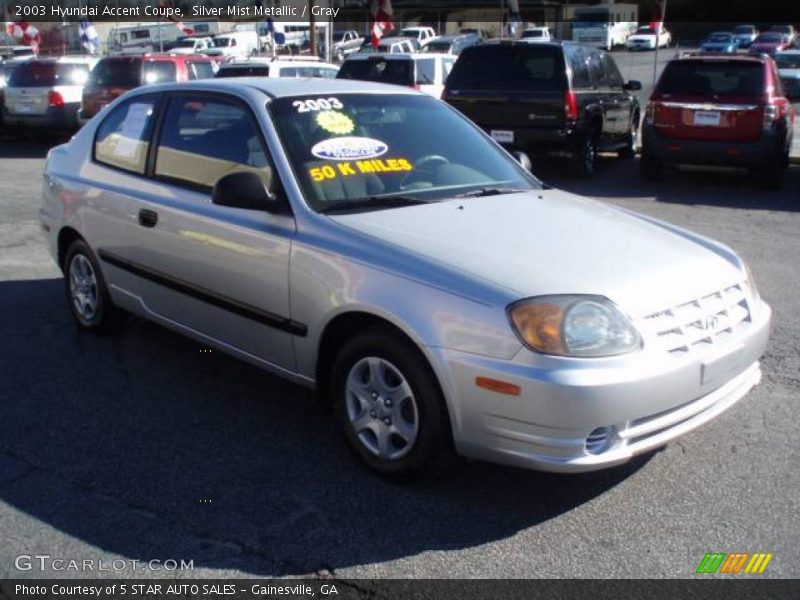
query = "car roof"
x=82 y=60
x=276 y=63
x=397 y=56
x=743 y=58
x=282 y=87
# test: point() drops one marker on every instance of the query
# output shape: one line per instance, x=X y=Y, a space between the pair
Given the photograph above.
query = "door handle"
x=148 y=218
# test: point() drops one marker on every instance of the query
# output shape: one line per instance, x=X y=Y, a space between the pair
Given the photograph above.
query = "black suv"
x=559 y=97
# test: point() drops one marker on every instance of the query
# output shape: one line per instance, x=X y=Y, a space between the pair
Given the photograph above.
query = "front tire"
x=87 y=292
x=390 y=407
x=629 y=149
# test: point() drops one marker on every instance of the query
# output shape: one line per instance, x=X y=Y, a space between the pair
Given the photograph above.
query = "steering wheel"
x=426 y=164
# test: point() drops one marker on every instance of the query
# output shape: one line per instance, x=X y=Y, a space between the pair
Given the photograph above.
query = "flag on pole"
x=514 y=19
x=25 y=33
x=659 y=14
x=89 y=38
x=381 y=12
x=185 y=29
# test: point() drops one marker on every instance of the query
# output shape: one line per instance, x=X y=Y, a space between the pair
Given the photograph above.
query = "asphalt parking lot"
x=144 y=447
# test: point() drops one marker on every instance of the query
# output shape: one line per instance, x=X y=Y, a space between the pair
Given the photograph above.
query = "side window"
x=289 y=72
x=200 y=70
x=426 y=71
x=159 y=71
x=123 y=138
x=447 y=66
x=580 y=68
x=206 y=138
x=596 y=70
x=612 y=72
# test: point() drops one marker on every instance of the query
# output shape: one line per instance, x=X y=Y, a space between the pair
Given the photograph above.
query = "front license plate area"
x=502 y=136
x=716 y=368
x=706 y=118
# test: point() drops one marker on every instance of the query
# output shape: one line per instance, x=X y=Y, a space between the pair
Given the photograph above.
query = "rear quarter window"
x=509 y=68
x=122 y=139
x=426 y=71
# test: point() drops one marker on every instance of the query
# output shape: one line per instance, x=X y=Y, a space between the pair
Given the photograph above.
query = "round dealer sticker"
x=349 y=148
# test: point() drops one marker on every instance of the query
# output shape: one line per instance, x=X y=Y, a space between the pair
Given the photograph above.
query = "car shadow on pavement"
x=147 y=446
x=12 y=147
x=619 y=179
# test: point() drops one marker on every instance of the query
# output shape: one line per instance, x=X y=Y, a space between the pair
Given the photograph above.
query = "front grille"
x=700 y=323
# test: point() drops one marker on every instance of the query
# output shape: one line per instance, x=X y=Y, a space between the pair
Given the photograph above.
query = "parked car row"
x=571 y=100
x=748 y=37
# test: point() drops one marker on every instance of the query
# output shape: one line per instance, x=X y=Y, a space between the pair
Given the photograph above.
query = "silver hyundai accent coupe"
x=370 y=242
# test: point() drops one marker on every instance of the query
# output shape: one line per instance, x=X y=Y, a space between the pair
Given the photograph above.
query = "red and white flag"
x=659 y=14
x=381 y=12
x=184 y=28
x=25 y=33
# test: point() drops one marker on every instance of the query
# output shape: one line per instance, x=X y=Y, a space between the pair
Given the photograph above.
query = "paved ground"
x=141 y=447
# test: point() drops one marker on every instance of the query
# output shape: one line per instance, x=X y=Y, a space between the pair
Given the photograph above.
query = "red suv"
x=719 y=110
x=115 y=75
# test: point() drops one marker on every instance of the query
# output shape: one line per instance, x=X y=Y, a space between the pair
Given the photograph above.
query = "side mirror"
x=632 y=86
x=244 y=189
x=523 y=159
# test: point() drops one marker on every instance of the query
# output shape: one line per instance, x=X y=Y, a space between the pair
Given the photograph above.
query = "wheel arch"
x=66 y=237
x=346 y=324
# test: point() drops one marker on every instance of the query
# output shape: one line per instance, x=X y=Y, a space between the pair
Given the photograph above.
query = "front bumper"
x=769 y=148
x=643 y=401
x=56 y=117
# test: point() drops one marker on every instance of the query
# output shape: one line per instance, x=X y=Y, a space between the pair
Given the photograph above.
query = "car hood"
x=552 y=242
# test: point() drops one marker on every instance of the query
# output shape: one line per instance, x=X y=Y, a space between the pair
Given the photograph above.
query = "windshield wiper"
x=372 y=202
x=490 y=191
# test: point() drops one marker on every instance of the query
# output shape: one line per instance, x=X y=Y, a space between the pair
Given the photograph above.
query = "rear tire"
x=390 y=407
x=87 y=292
x=584 y=156
x=770 y=176
x=650 y=168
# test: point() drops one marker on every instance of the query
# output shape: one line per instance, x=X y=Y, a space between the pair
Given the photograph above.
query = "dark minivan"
x=559 y=97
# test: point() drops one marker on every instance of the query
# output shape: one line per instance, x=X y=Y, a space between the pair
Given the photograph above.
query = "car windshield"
x=716 y=78
x=117 y=72
x=769 y=37
x=338 y=37
x=644 y=30
x=435 y=47
x=221 y=42
x=365 y=151
x=719 y=37
x=48 y=74
x=184 y=44
x=533 y=67
x=535 y=33
x=788 y=61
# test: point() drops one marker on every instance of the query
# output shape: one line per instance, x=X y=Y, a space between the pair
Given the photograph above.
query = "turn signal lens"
x=539 y=325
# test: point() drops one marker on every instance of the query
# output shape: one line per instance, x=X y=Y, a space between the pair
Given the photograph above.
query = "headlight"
x=579 y=326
